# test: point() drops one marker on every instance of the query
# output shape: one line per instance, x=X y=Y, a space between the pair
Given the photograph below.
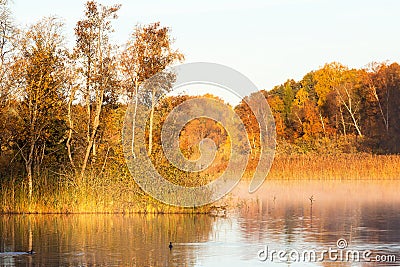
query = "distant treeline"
x=361 y=106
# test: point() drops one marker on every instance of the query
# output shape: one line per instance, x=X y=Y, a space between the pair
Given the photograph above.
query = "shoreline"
x=99 y=195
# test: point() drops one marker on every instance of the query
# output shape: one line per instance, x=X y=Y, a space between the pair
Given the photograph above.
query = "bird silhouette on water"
x=170 y=245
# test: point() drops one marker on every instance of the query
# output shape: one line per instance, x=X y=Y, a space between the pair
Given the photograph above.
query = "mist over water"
x=280 y=215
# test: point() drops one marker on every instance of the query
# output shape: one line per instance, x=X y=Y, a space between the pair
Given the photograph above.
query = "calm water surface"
x=279 y=217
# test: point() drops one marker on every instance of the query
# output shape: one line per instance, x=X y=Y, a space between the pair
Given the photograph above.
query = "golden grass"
x=118 y=193
x=105 y=194
x=336 y=167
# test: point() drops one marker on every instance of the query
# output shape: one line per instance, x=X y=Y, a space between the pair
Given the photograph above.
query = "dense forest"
x=62 y=111
x=337 y=102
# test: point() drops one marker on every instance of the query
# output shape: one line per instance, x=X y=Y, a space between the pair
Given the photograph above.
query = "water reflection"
x=113 y=240
x=280 y=215
x=365 y=213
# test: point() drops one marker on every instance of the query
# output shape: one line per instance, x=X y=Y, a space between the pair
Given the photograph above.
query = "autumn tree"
x=38 y=78
x=376 y=95
x=381 y=93
x=190 y=138
x=147 y=53
x=98 y=70
x=308 y=118
x=250 y=122
x=277 y=107
x=308 y=83
x=8 y=34
x=338 y=89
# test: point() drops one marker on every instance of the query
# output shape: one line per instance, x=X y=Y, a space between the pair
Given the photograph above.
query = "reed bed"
x=118 y=193
x=336 y=167
x=105 y=194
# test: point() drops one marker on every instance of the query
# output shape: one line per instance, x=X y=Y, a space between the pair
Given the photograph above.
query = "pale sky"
x=268 y=41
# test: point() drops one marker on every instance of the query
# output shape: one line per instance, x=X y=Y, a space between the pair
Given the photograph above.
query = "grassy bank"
x=118 y=193
x=94 y=194
x=358 y=166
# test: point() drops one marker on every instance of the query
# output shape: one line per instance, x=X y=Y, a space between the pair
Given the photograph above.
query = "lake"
x=286 y=223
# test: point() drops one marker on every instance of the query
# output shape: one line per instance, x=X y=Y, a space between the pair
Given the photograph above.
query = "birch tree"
x=337 y=83
x=147 y=53
x=97 y=68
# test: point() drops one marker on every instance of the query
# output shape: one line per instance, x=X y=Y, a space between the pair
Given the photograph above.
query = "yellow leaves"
x=148 y=52
x=276 y=103
x=312 y=126
x=301 y=97
x=328 y=78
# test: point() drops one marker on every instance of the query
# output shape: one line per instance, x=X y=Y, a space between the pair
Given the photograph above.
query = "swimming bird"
x=17 y=253
x=170 y=245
